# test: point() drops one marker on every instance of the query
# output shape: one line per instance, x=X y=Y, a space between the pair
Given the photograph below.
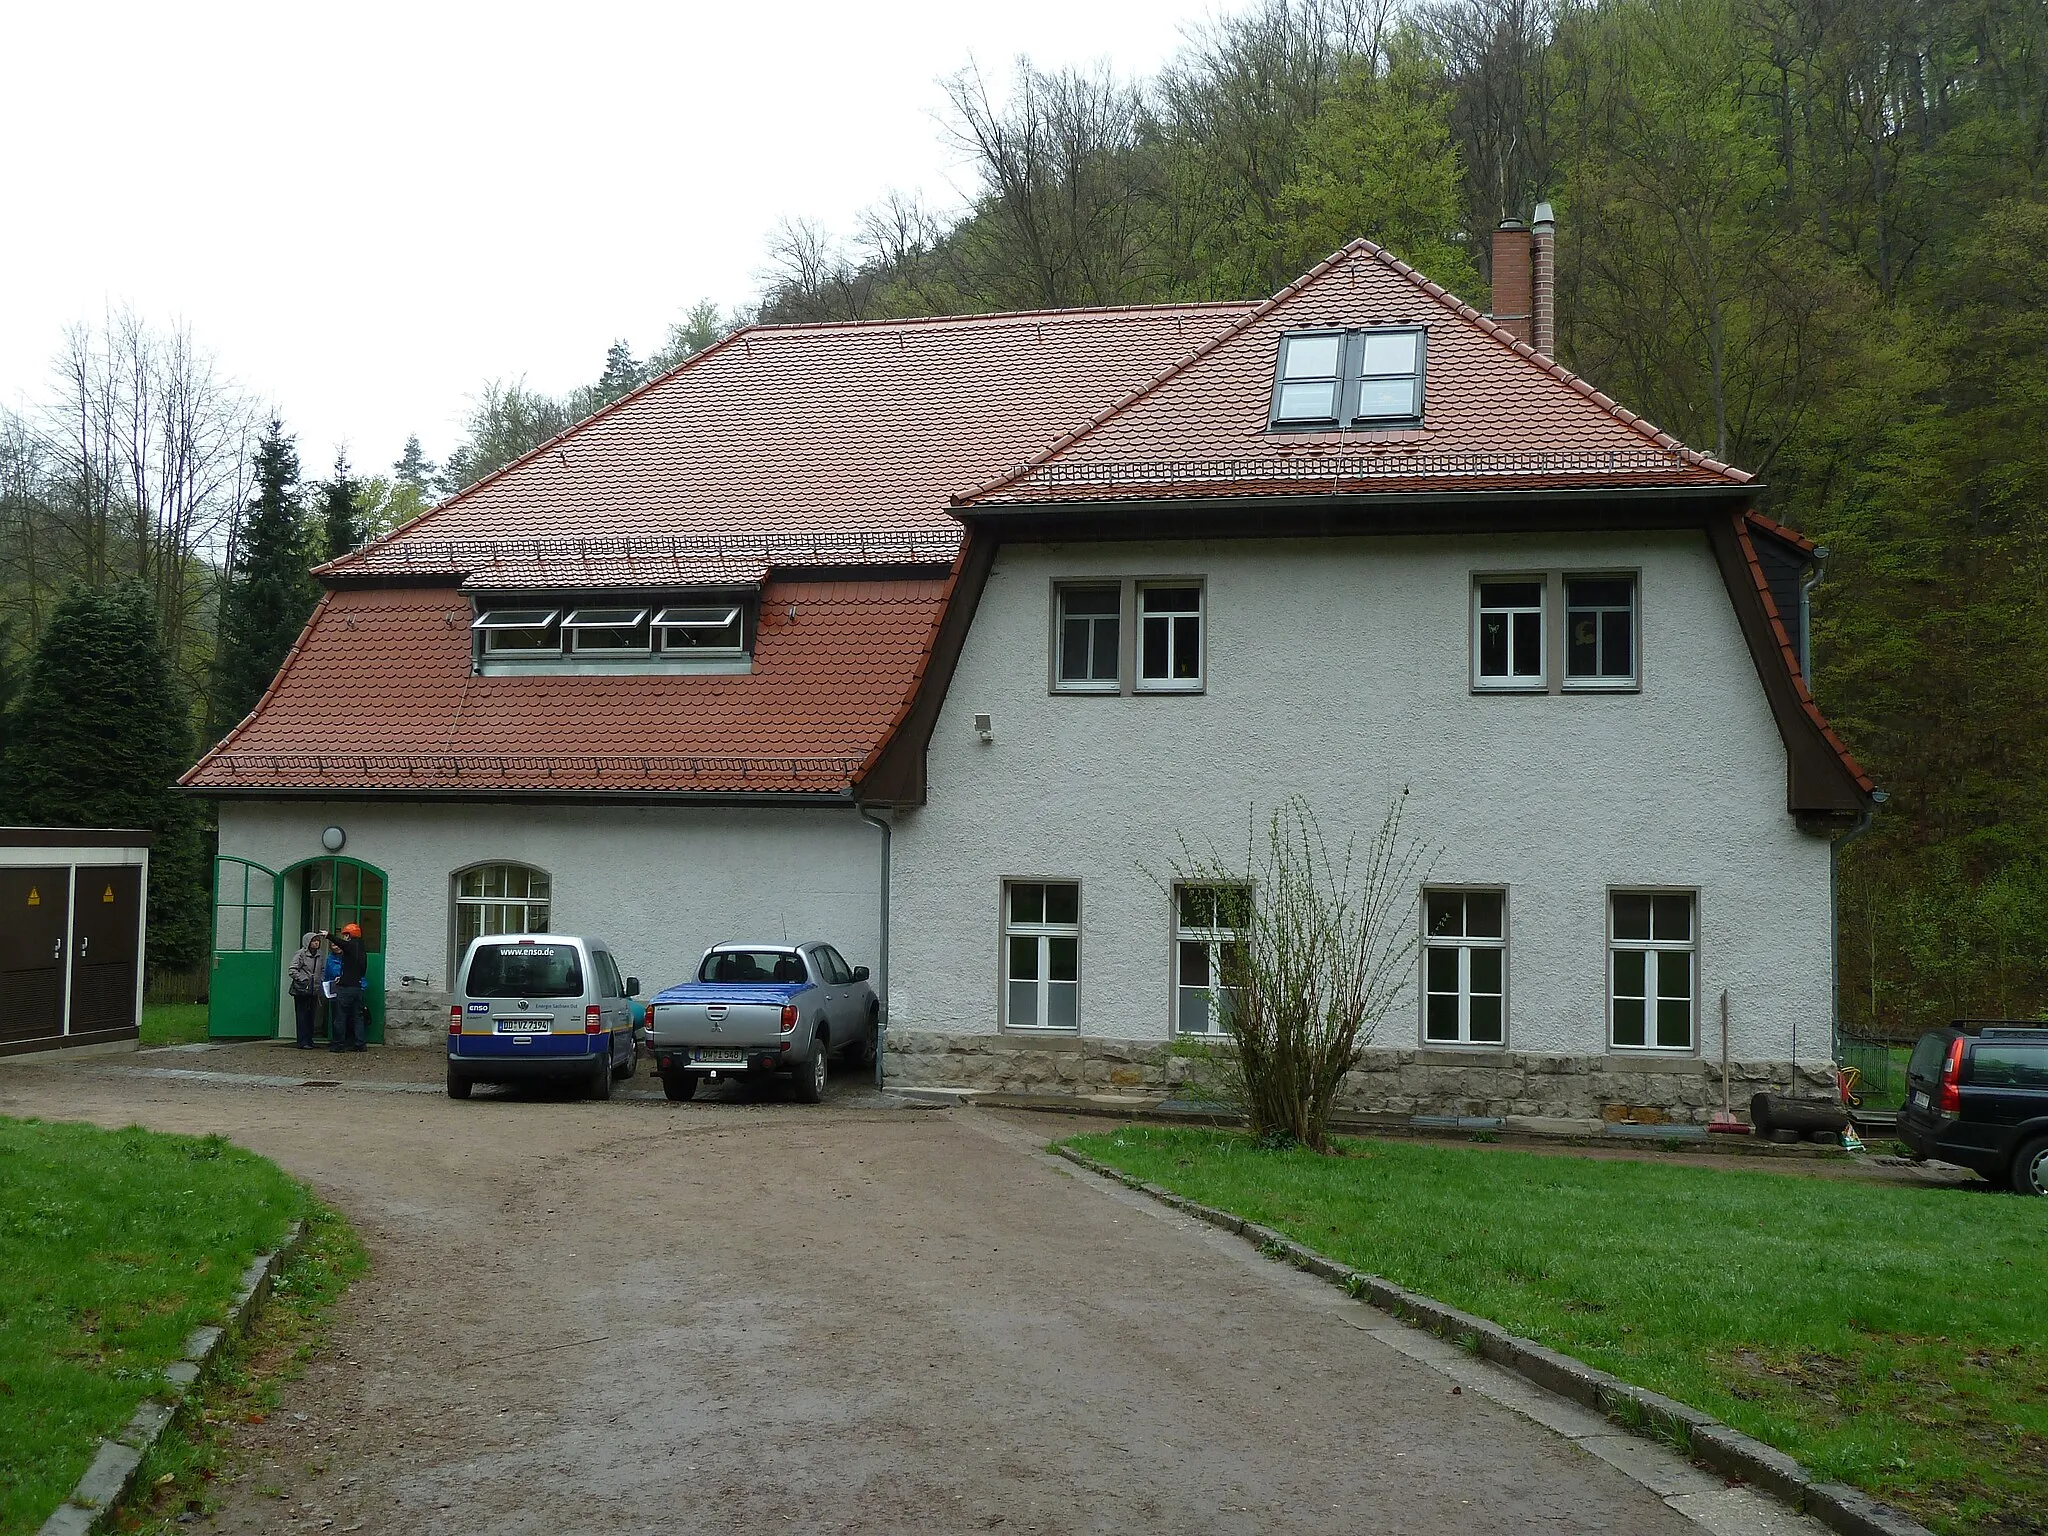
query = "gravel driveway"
x=749 y=1315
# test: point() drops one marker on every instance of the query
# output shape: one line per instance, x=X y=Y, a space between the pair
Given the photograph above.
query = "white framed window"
x=691 y=630
x=1088 y=639
x=1507 y=632
x=1600 y=631
x=1652 y=970
x=519 y=631
x=1170 y=637
x=500 y=898
x=1209 y=928
x=1042 y=954
x=607 y=630
x=1464 y=967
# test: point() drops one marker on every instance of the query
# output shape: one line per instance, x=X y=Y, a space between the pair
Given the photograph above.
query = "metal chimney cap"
x=1512 y=224
x=1545 y=219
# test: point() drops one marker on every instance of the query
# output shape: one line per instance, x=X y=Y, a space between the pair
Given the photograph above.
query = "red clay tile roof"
x=795 y=445
x=1497 y=414
x=378 y=695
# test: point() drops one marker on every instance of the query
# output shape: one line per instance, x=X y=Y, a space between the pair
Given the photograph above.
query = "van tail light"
x=593 y=1020
x=788 y=1017
x=455 y=1018
x=1949 y=1098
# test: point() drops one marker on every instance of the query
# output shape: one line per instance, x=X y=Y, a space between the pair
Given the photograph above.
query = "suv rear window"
x=2010 y=1066
x=1925 y=1065
x=752 y=965
x=525 y=970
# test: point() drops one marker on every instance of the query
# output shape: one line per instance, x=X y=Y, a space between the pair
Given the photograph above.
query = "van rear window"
x=525 y=970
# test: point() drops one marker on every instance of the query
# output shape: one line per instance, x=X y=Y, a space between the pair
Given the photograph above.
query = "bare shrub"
x=1325 y=949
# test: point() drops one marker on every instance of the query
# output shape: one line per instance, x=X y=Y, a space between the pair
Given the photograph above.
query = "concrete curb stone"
x=1637 y=1409
x=107 y=1481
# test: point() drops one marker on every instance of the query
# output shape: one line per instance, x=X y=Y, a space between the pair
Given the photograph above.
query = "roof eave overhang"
x=1603 y=506
x=693 y=797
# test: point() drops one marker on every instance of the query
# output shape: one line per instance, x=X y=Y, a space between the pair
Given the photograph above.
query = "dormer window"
x=1334 y=379
x=519 y=631
x=713 y=634
x=700 y=629
x=612 y=631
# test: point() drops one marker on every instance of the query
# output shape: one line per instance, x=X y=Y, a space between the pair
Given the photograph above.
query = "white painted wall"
x=1339 y=670
x=659 y=884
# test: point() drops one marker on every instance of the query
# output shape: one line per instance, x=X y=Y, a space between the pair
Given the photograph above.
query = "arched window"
x=499 y=898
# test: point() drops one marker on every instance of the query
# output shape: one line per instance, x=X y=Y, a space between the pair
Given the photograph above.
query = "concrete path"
x=741 y=1316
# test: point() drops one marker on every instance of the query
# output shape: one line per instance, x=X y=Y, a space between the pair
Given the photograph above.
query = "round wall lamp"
x=332 y=839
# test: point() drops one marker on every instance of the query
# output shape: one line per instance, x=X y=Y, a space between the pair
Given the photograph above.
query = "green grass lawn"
x=114 y=1245
x=1890 y=1337
x=173 y=1023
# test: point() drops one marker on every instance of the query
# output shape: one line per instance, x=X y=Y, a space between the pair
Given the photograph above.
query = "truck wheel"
x=601 y=1078
x=864 y=1053
x=2030 y=1169
x=458 y=1084
x=678 y=1085
x=811 y=1073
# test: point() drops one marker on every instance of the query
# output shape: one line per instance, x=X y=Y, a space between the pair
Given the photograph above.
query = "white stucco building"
x=943 y=640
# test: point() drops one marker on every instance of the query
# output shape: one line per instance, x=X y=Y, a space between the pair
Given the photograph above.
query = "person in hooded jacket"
x=305 y=984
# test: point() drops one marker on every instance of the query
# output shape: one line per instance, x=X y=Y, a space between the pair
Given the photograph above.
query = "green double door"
x=258 y=916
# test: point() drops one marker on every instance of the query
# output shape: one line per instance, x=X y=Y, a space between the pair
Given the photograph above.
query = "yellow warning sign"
x=35 y=897
x=110 y=894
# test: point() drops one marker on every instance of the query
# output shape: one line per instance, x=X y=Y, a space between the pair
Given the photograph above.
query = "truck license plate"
x=529 y=1026
x=718 y=1054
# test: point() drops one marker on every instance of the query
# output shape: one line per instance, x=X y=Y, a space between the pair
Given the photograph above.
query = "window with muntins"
x=499 y=898
x=1329 y=379
x=1600 y=631
x=1089 y=639
x=1464 y=968
x=1651 y=972
x=1041 y=955
x=1507 y=633
x=1169 y=638
x=1209 y=928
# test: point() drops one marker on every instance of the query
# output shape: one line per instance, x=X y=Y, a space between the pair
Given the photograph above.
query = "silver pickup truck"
x=760 y=1008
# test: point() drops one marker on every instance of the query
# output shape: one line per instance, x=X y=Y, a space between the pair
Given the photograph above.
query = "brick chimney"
x=1511 y=279
x=1543 y=295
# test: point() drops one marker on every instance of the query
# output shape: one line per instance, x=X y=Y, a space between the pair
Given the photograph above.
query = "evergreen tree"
x=413 y=470
x=101 y=734
x=620 y=375
x=269 y=593
x=341 y=508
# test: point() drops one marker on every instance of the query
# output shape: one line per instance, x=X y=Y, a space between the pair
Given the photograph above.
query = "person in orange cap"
x=345 y=1027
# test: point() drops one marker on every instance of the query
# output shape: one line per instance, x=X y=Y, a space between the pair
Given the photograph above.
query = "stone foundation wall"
x=415 y=1016
x=1391 y=1080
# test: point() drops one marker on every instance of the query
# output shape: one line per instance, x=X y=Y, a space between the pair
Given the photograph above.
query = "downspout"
x=882 y=953
x=1811 y=580
x=1863 y=817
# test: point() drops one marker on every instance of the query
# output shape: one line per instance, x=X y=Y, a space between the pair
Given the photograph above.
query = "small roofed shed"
x=73 y=909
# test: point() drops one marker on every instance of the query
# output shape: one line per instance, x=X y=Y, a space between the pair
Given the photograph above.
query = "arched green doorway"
x=326 y=893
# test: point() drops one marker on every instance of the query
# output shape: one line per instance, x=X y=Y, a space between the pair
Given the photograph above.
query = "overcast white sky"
x=366 y=209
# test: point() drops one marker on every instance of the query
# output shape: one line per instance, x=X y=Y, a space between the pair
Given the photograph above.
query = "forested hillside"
x=1808 y=236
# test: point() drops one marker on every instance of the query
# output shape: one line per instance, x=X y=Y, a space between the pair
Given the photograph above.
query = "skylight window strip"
x=604 y=618
x=696 y=618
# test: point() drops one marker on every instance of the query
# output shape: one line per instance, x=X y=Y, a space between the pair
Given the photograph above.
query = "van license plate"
x=718 y=1055
x=528 y=1026
x=1919 y=1101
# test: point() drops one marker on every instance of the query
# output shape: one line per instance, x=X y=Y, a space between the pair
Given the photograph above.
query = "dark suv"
x=1980 y=1100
